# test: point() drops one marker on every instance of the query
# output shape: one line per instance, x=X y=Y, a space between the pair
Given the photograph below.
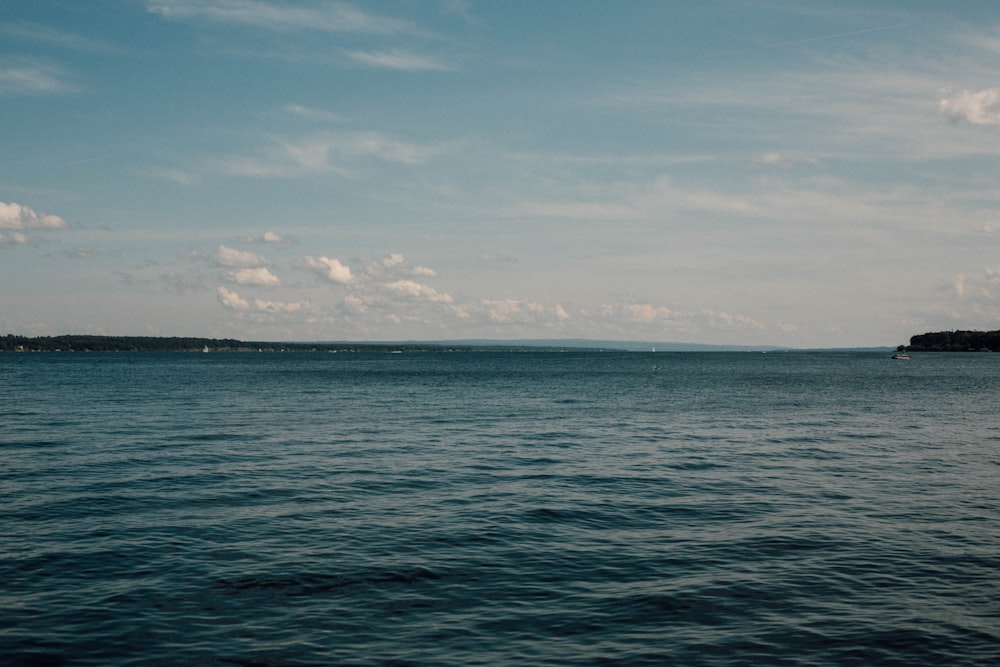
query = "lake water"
x=499 y=508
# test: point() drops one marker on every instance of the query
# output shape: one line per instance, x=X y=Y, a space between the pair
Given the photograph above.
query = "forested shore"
x=956 y=341
x=89 y=343
x=85 y=343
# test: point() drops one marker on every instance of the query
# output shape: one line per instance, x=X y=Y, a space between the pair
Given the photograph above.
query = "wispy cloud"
x=399 y=60
x=311 y=113
x=879 y=106
x=329 y=152
x=178 y=176
x=31 y=77
x=38 y=33
x=823 y=38
x=316 y=15
x=83 y=252
x=784 y=160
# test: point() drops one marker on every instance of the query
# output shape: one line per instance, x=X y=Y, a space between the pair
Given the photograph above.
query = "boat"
x=900 y=353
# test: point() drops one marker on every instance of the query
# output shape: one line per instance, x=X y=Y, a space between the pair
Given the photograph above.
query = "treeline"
x=74 y=343
x=83 y=343
x=956 y=341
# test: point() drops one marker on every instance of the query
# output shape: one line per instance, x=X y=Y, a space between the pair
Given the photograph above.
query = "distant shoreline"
x=94 y=343
x=945 y=341
x=88 y=343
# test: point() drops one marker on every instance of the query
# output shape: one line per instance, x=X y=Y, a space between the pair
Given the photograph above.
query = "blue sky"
x=735 y=172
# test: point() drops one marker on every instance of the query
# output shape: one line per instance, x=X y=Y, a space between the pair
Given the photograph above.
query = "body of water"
x=499 y=508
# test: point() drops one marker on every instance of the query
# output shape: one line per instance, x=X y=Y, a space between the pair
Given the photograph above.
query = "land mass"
x=956 y=341
x=94 y=343
x=87 y=343
x=942 y=341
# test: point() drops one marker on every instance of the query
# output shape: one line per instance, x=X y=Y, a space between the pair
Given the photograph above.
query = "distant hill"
x=956 y=341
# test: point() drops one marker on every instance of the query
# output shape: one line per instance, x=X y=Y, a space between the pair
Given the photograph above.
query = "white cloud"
x=261 y=277
x=636 y=312
x=783 y=160
x=325 y=17
x=424 y=271
x=327 y=268
x=273 y=238
x=33 y=78
x=14 y=238
x=355 y=304
x=978 y=108
x=723 y=320
x=519 y=311
x=394 y=265
x=415 y=290
x=16 y=216
x=393 y=259
x=399 y=60
x=234 y=301
x=658 y=320
x=231 y=299
x=230 y=257
x=281 y=306
x=81 y=252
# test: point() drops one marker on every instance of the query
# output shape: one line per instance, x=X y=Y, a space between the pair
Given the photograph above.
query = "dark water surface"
x=499 y=508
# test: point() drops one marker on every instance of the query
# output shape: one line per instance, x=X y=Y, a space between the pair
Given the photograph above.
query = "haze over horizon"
x=797 y=174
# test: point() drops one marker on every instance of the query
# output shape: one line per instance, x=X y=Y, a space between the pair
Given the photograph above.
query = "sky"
x=736 y=172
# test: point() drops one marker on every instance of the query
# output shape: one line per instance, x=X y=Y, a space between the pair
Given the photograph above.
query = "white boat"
x=900 y=354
